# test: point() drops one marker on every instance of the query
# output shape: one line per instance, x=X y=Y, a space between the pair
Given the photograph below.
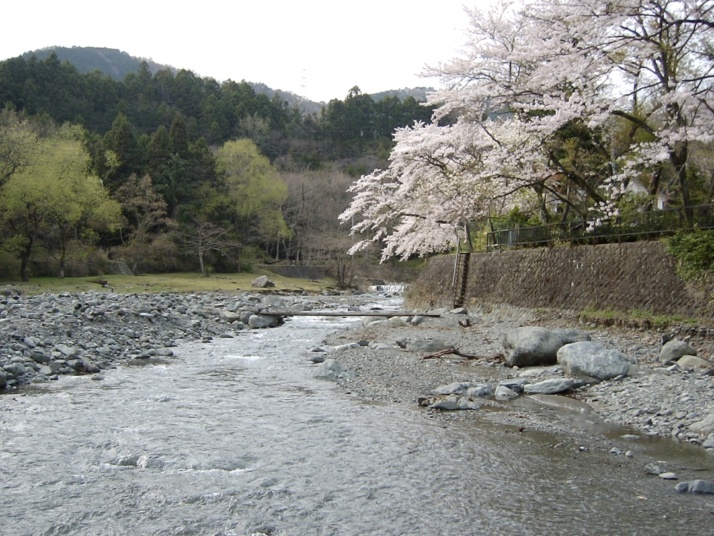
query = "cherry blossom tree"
x=540 y=89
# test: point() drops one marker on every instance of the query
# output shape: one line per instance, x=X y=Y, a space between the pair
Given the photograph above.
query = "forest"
x=553 y=113
x=168 y=171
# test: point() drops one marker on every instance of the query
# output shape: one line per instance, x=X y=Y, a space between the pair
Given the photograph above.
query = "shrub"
x=694 y=251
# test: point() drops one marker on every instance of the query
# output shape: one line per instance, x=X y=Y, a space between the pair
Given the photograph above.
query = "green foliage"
x=254 y=187
x=694 y=251
x=165 y=125
x=53 y=197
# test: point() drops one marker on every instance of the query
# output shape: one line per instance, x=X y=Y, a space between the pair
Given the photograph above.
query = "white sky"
x=315 y=48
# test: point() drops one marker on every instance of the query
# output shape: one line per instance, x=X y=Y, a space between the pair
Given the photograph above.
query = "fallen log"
x=496 y=357
x=447 y=351
x=345 y=313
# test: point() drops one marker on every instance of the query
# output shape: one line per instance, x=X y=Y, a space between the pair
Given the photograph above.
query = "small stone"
x=504 y=393
x=668 y=476
x=709 y=442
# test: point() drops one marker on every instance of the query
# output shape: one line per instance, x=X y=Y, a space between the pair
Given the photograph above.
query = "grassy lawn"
x=183 y=282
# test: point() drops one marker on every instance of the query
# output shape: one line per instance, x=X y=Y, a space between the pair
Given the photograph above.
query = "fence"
x=639 y=226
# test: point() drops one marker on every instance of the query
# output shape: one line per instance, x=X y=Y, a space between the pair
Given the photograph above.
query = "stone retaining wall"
x=637 y=276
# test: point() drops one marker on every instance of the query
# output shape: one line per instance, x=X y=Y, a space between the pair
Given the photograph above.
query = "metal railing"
x=638 y=226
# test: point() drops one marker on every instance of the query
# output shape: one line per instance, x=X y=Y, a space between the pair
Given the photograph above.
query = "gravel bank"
x=652 y=400
x=45 y=336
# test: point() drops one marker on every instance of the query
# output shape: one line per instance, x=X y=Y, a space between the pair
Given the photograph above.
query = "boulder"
x=277 y=302
x=464 y=388
x=696 y=486
x=262 y=282
x=592 y=360
x=258 y=321
x=416 y=320
x=674 y=349
x=39 y=356
x=703 y=427
x=550 y=386
x=693 y=362
x=504 y=393
x=531 y=346
x=454 y=402
x=479 y=390
x=396 y=322
x=708 y=442
x=66 y=351
x=346 y=346
x=331 y=370
x=231 y=316
x=451 y=389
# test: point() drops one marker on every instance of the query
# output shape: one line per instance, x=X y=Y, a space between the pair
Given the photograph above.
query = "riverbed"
x=235 y=436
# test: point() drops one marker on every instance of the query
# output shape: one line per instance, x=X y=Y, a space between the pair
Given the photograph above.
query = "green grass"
x=183 y=282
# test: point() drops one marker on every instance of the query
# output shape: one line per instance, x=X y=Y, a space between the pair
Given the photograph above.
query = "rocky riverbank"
x=399 y=362
x=46 y=336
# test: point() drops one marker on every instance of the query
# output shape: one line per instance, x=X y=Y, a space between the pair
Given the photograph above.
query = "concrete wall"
x=622 y=277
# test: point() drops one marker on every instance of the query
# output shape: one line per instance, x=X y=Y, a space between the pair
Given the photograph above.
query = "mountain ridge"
x=117 y=64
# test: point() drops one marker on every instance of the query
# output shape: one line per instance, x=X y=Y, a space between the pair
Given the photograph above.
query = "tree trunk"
x=201 y=263
x=62 y=261
x=25 y=259
x=678 y=158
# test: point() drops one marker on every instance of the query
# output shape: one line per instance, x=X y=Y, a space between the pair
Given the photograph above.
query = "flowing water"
x=236 y=437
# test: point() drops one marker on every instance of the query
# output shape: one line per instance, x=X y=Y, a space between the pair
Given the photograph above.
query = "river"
x=236 y=437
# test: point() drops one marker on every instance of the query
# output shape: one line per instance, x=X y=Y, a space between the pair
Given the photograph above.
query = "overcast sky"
x=315 y=48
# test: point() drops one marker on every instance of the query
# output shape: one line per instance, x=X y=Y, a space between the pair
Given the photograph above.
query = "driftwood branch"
x=447 y=351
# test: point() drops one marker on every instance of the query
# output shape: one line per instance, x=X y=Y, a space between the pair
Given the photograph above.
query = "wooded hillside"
x=195 y=173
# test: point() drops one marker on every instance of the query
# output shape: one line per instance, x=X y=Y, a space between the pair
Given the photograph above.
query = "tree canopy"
x=565 y=102
x=53 y=196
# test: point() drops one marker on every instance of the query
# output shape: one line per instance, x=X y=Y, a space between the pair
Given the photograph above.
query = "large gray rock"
x=592 y=360
x=531 y=346
x=40 y=356
x=468 y=389
x=262 y=282
x=66 y=351
x=674 y=349
x=551 y=386
x=693 y=362
x=704 y=426
x=696 y=486
x=454 y=402
x=504 y=393
x=231 y=316
x=331 y=370
x=262 y=321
